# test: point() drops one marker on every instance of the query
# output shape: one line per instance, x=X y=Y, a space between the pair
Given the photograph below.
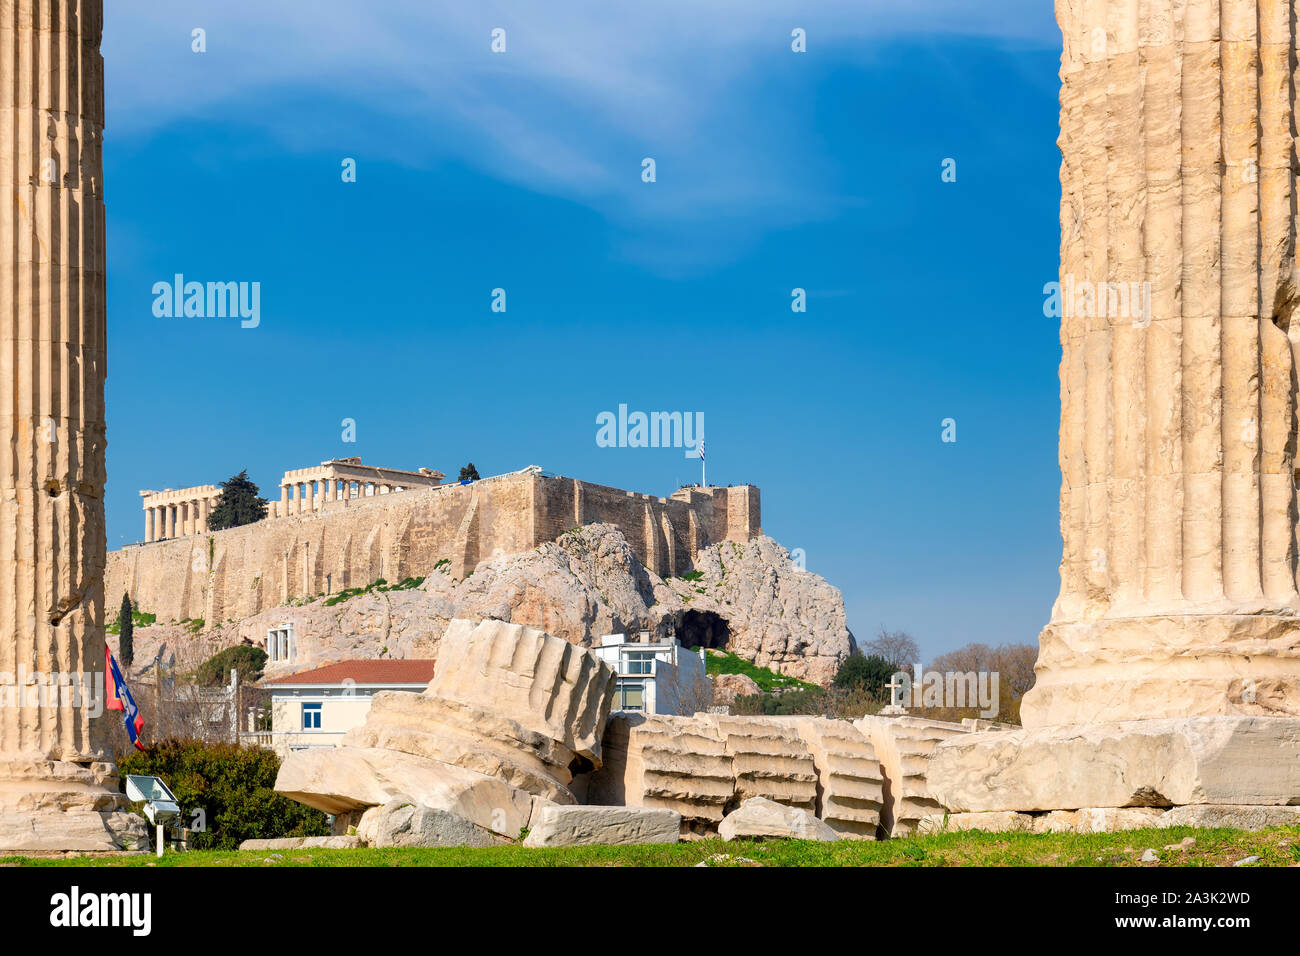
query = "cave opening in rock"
x=703 y=629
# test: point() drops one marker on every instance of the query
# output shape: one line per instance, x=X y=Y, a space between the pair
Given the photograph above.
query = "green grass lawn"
x=1279 y=846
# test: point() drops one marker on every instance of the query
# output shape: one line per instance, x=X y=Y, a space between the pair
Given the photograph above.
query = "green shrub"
x=406 y=584
x=233 y=786
x=873 y=672
x=247 y=660
x=138 y=618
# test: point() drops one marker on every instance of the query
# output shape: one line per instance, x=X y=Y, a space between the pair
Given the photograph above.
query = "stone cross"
x=896 y=687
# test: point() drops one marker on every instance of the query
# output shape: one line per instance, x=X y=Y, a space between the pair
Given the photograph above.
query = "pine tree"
x=468 y=473
x=238 y=505
x=126 y=632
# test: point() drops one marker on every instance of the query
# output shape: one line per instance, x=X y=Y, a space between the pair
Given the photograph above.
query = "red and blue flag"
x=119 y=698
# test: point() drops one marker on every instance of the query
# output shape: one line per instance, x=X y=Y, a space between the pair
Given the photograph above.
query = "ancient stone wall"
x=235 y=574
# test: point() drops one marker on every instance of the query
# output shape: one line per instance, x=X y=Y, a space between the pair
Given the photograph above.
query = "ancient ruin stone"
x=904 y=746
x=508 y=717
x=1170 y=670
x=761 y=819
x=347 y=781
x=1178 y=373
x=1154 y=763
x=678 y=763
x=850 y=783
x=56 y=792
x=603 y=826
x=705 y=766
x=505 y=700
x=768 y=759
x=403 y=822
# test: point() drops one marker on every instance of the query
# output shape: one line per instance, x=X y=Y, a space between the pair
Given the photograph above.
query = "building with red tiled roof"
x=315 y=708
x=360 y=672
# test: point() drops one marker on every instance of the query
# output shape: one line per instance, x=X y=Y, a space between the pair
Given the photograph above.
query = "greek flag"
x=119 y=698
x=701 y=449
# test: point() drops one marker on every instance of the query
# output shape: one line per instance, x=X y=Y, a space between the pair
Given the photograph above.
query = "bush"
x=872 y=672
x=232 y=785
x=815 y=701
x=247 y=660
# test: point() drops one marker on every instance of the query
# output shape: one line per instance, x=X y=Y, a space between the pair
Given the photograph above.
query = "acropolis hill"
x=350 y=533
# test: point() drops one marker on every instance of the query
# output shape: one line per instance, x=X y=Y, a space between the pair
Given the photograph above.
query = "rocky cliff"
x=749 y=598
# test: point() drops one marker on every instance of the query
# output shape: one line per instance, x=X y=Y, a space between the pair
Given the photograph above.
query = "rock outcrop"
x=777 y=614
x=586 y=584
x=727 y=687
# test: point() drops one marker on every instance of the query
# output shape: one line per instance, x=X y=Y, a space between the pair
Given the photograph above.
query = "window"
x=279 y=644
x=640 y=662
x=311 y=716
x=630 y=695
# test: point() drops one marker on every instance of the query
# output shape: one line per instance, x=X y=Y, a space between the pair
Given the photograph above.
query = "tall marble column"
x=1178 y=377
x=57 y=786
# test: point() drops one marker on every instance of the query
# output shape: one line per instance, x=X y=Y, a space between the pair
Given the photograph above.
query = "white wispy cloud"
x=586 y=89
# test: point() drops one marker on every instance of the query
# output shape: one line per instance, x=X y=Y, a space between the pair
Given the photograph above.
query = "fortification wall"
x=235 y=574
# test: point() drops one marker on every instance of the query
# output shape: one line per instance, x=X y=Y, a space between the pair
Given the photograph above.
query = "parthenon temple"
x=171 y=514
x=177 y=513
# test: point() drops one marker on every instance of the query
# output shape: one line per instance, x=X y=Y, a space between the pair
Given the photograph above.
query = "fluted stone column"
x=148 y=525
x=1178 y=416
x=57 y=787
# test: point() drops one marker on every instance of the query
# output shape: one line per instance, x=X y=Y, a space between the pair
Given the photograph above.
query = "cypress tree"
x=126 y=634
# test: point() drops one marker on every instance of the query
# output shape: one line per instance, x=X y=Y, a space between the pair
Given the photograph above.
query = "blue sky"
x=522 y=171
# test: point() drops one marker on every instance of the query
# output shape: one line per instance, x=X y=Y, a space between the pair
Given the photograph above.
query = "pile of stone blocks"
x=706 y=766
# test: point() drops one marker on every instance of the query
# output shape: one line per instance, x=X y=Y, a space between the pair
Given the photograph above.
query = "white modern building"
x=316 y=708
x=656 y=677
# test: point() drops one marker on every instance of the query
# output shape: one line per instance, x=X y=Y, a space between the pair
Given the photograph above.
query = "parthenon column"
x=148 y=525
x=57 y=787
x=1178 y=417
